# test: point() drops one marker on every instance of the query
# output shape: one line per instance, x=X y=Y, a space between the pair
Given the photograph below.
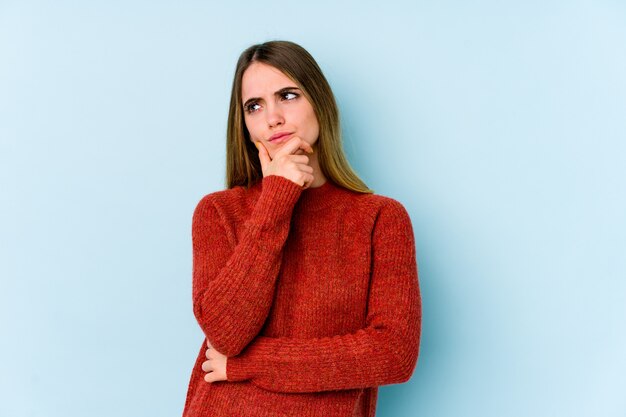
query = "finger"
x=208 y=343
x=206 y=366
x=209 y=377
x=264 y=155
x=307 y=182
x=208 y=352
x=303 y=151
x=305 y=168
x=304 y=147
x=292 y=145
x=301 y=159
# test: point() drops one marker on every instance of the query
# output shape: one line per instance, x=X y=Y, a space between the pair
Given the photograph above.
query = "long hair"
x=243 y=166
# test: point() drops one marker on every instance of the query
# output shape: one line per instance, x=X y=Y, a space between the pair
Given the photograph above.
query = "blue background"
x=499 y=125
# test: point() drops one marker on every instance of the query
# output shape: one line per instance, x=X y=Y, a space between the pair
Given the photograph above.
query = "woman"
x=304 y=281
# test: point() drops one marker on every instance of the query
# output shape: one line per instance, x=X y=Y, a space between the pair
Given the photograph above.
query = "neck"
x=319 y=178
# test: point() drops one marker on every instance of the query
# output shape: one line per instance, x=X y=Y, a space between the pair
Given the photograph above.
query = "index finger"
x=292 y=146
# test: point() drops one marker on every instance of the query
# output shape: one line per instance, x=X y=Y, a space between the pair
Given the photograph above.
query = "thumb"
x=264 y=156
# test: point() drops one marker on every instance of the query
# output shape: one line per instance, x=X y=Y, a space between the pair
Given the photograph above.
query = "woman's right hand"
x=287 y=161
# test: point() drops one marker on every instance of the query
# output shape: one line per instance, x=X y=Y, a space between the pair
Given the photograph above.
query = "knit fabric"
x=312 y=294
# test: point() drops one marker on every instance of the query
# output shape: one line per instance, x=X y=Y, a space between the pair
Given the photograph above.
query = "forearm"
x=371 y=357
x=233 y=288
x=383 y=352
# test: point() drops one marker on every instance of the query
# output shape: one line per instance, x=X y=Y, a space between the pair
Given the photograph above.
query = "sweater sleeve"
x=384 y=352
x=233 y=287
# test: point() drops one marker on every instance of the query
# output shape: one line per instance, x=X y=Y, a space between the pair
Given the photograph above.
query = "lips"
x=279 y=135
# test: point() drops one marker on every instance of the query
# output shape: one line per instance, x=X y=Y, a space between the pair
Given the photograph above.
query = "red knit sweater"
x=312 y=295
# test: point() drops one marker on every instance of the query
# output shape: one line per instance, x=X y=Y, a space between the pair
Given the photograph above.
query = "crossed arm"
x=383 y=352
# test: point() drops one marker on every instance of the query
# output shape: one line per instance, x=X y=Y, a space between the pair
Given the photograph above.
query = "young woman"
x=305 y=282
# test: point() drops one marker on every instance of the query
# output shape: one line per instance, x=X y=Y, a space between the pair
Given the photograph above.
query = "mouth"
x=280 y=137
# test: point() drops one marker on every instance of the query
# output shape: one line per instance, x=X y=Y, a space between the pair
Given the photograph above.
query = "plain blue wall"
x=501 y=128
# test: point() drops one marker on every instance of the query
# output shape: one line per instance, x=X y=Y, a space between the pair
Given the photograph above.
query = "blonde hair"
x=242 y=160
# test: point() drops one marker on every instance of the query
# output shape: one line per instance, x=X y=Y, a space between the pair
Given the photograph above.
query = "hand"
x=215 y=365
x=288 y=161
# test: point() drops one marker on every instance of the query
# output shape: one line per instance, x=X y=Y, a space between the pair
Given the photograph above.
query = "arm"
x=233 y=287
x=383 y=352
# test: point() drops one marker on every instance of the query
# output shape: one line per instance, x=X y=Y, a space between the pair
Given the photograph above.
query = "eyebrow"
x=277 y=93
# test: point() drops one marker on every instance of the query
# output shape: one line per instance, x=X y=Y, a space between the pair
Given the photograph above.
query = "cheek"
x=309 y=120
x=252 y=129
x=313 y=123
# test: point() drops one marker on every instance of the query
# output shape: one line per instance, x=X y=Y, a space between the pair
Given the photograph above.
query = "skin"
x=274 y=110
x=278 y=110
x=215 y=365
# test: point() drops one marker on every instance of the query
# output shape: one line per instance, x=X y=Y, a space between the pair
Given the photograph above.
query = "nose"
x=274 y=115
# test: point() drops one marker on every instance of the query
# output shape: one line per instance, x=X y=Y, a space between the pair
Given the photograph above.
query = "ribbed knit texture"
x=312 y=294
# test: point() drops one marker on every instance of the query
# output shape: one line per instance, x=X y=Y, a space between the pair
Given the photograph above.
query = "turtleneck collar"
x=324 y=196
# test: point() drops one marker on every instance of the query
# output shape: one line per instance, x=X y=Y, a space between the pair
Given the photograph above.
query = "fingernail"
x=256 y=144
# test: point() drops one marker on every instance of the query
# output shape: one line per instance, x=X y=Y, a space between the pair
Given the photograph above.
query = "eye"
x=250 y=108
x=289 y=95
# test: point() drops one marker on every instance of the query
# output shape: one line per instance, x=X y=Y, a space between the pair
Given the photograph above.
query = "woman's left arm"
x=384 y=352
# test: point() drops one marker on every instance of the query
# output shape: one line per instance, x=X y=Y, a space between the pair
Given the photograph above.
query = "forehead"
x=261 y=80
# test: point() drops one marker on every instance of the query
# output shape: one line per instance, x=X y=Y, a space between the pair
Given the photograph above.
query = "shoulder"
x=392 y=226
x=220 y=203
x=377 y=205
x=388 y=220
x=375 y=214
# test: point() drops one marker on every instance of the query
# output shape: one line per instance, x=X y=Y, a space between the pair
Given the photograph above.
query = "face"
x=272 y=103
